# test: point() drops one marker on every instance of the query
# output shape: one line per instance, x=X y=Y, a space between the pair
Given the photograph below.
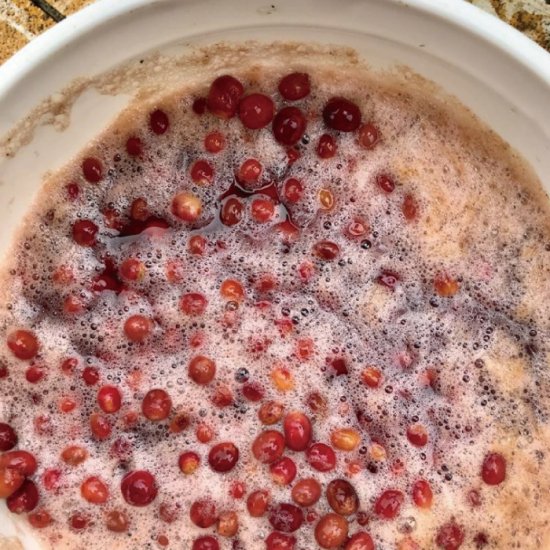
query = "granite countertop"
x=22 y=20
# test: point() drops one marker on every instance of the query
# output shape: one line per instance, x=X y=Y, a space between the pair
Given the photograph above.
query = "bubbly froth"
x=397 y=296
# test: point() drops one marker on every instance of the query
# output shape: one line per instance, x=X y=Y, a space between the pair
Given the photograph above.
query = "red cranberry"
x=257 y=503
x=193 y=304
x=262 y=210
x=138 y=488
x=388 y=504
x=22 y=461
x=186 y=207
x=223 y=396
x=35 y=373
x=156 y=405
x=223 y=457
x=422 y=494
x=202 y=172
x=321 y=457
x=417 y=435
x=206 y=543
x=73 y=191
x=199 y=106
x=286 y=517
x=94 y=490
x=92 y=169
x=268 y=446
x=51 y=479
x=23 y=344
x=109 y=399
x=389 y=279
x=289 y=125
x=294 y=86
x=231 y=212
x=256 y=111
x=131 y=270
x=280 y=541
x=78 y=521
x=249 y=172
x=253 y=391
x=188 y=462
x=214 y=142
x=117 y=521
x=297 y=429
x=158 y=122
x=134 y=147
x=10 y=481
x=331 y=531
x=25 y=499
x=201 y=369
x=360 y=541
x=293 y=190
x=100 y=426
x=326 y=250
x=306 y=492
x=223 y=96
x=326 y=148
x=409 y=207
x=368 y=136
x=137 y=328
x=90 y=375
x=293 y=155
x=450 y=536
x=283 y=471
x=40 y=519
x=203 y=513
x=342 y=115
x=74 y=455
x=342 y=497
x=385 y=183
x=493 y=469
x=84 y=232
x=197 y=245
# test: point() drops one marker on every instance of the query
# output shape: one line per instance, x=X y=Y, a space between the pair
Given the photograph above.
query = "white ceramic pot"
x=493 y=69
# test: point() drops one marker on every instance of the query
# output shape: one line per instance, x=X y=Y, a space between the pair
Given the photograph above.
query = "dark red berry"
x=223 y=96
x=223 y=457
x=294 y=86
x=8 y=437
x=199 y=105
x=92 y=169
x=388 y=504
x=342 y=115
x=256 y=111
x=158 y=122
x=84 y=232
x=134 y=147
x=24 y=499
x=493 y=469
x=326 y=148
x=450 y=536
x=385 y=183
x=286 y=517
x=289 y=125
x=139 y=488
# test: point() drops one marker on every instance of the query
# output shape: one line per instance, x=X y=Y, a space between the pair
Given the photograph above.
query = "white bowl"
x=492 y=68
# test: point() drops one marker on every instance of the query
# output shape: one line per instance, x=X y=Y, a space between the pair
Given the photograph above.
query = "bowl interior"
x=498 y=73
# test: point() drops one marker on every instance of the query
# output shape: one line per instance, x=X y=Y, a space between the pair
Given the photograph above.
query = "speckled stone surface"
x=22 y=20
